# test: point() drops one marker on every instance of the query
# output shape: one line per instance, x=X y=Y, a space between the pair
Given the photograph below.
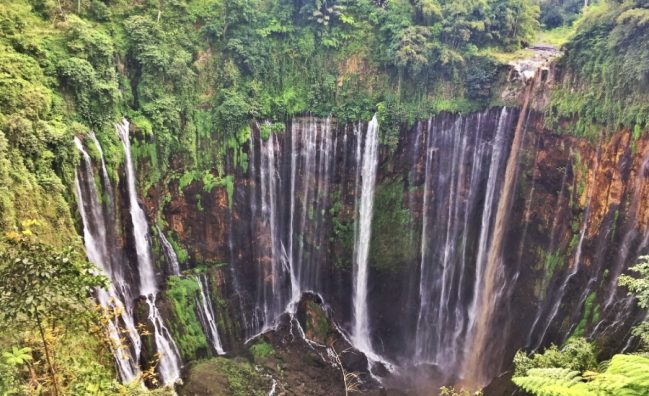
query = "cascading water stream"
x=274 y=265
x=96 y=244
x=576 y=266
x=369 y=162
x=290 y=249
x=632 y=233
x=170 y=254
x=140 y=227
x=207 y=316
x=492 y=277
x=487 y=231
x=551 y=249
x=423 y=335
x=311 y=158
x=468 y=169
x=464 y=164
x=104 y=170
x=169 y=364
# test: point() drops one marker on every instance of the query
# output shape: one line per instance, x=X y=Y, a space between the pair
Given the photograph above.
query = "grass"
x=262 y=350
x=505 y=57
x=556 y=37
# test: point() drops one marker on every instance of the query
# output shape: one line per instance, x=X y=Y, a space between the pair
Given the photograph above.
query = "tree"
x=639 y=287
x=412 y=51
x=576 y=355
x=513 y=22
x=39 y=285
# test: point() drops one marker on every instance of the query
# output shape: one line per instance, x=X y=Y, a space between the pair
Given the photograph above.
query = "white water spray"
x=169 y=364
x=368 y=163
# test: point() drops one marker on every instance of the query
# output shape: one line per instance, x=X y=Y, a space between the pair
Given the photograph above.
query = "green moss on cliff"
x=392 y=244
x=262 y=350
x=604 y=74
x=186 y=328
x=225 y=377
x=590 y=315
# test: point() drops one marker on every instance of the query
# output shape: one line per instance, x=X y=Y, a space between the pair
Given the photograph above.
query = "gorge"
x=271 y=219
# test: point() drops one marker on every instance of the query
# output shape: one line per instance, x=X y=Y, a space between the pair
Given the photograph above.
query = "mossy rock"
x=225 y=377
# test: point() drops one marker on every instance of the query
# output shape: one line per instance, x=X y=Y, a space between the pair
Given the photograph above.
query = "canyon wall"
x=577 y=219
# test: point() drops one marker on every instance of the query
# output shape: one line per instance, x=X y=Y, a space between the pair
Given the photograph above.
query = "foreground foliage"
x=573 y=371
x=44 y=290
x=639 y=287
x=624 y=375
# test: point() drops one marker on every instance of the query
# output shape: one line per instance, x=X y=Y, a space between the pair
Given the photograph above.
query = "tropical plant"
x=639 y=287
x=40 y=285
x=571 y=371
x=624 y=375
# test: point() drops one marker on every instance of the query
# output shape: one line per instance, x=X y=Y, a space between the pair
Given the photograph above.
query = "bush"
x=577 y=354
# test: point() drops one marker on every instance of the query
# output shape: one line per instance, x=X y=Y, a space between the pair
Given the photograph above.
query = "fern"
x=626 y=375
x=552 y=382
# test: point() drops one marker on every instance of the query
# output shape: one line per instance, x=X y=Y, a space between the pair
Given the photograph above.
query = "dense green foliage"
x=639 y=287
x=576 y=355
x=191 y=75
x=392 y=225
x=556 y=13
x=222 y=376
x=573 y=370
x=182 y=292
x=44 y=290
x=605 y=73
x=262 y=350
x=624 y=375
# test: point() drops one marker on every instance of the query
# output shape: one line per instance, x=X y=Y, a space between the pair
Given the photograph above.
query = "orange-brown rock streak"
x=475 y=363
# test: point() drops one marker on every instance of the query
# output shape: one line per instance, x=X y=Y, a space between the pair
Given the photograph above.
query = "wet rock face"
x=308 y=354
x=583 y=224
x=199 y=219
x=578 y=219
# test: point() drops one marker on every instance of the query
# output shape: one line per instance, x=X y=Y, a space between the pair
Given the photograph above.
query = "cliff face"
x=576 y=221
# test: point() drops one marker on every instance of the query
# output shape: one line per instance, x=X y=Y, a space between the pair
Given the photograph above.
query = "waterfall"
x=140 y=227
x=170 y=254
x=104 y=171
x=273 y=260
x=96 y=244
x=169 y=364
x=290 y=196
x=369 y=161
x=485 y=239
x=206 y=315
x=555 y=304
x=551 y=249
x=632 y=233
x=486 y=225
x=492 y=277
x=464 y=167
x=422 y=320
x=311 y=158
